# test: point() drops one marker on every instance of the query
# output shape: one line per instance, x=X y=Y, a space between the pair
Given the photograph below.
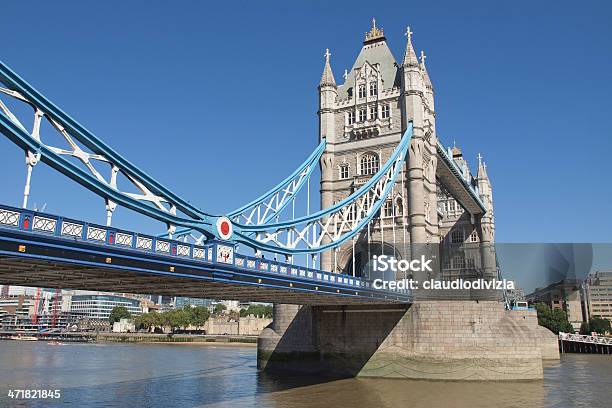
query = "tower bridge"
x=388 y=185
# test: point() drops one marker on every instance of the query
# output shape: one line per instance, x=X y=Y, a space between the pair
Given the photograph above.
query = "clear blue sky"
x=218 y=100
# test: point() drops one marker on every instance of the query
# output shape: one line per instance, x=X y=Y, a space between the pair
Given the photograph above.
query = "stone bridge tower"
x=363 y=120
x=461 y=338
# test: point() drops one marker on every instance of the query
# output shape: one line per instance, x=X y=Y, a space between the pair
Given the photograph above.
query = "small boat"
x=24 y=338
x=55 y=343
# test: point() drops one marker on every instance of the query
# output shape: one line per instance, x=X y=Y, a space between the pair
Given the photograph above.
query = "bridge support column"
x=434 y=339
x=287 y=339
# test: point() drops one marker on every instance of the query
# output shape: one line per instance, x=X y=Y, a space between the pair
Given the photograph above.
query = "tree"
x=585 y=328
x=596 y=324
x=219 y=308
x=118 y=313
x=554 y=320
x=257 y=310
x=197 y=315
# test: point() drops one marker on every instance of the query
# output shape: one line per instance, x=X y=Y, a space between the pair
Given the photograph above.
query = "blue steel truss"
x=256 y=224
x=330 y=227
x=268 y=206
x=156 y=201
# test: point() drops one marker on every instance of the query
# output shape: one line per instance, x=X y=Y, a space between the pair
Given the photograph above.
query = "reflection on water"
x=115 y=375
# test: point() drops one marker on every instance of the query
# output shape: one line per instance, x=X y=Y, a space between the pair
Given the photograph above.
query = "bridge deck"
x=53 y=260
x=452 y=179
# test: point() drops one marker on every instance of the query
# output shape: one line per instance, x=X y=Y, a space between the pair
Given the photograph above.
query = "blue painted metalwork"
x=308 y=234
x=23 y=91
x=272 y=204
x=215 y=255
x=300 y=176
x=257 y=236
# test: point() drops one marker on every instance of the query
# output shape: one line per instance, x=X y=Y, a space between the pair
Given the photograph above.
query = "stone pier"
x=436 y=340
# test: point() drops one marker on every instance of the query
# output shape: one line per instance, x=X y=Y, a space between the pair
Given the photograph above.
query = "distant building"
x=97 y=305
x=231 y=305
x=124 y=326
x=598 y=294
x=181 y=302
x=16 y=312
x=564 y=295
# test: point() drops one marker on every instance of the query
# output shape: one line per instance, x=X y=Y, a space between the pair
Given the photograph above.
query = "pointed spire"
x=482 y=169
x=328 y=76
x=424 y=69
x=410 y=58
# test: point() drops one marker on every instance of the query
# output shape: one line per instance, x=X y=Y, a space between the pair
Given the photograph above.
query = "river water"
x=178 y=375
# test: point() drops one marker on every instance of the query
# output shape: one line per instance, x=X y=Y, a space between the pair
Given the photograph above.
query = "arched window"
x=373 y=89
x=362 y=91
x=369 y=164
x=399 y=206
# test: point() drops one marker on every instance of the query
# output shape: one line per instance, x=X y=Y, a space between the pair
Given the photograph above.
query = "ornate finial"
x=328 y=76
x=423 y=56
x=479 y=159
x=374 y=33
x=345 y=74
x=408 y=33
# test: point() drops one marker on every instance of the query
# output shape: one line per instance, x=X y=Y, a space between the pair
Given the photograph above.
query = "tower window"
x=385 y=111
x=369 y=164
x=344 y=171
x=362 y=91
x=459 y=262
x=350 y=117
x=362 y=115
x=457 y=236
x=373 y=89
x=387 y=209
x=373 y=113
x=399 y=206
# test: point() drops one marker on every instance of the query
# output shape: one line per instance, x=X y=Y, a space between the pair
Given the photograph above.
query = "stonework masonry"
x=436 y=340
x=362 y=120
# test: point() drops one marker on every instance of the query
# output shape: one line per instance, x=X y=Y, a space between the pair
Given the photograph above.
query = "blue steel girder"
x=155 y=200
x=271 y=204
x=331 y=227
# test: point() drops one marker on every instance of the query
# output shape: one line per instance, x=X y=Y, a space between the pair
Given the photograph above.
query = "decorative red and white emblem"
x=224 y=228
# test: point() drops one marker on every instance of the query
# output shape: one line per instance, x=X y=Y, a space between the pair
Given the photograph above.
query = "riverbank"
x=86 y=337
x=176 y=339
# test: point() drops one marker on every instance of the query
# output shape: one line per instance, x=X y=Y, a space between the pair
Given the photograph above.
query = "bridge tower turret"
x=486 y=225
x=418 y=102
x=328 y=92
